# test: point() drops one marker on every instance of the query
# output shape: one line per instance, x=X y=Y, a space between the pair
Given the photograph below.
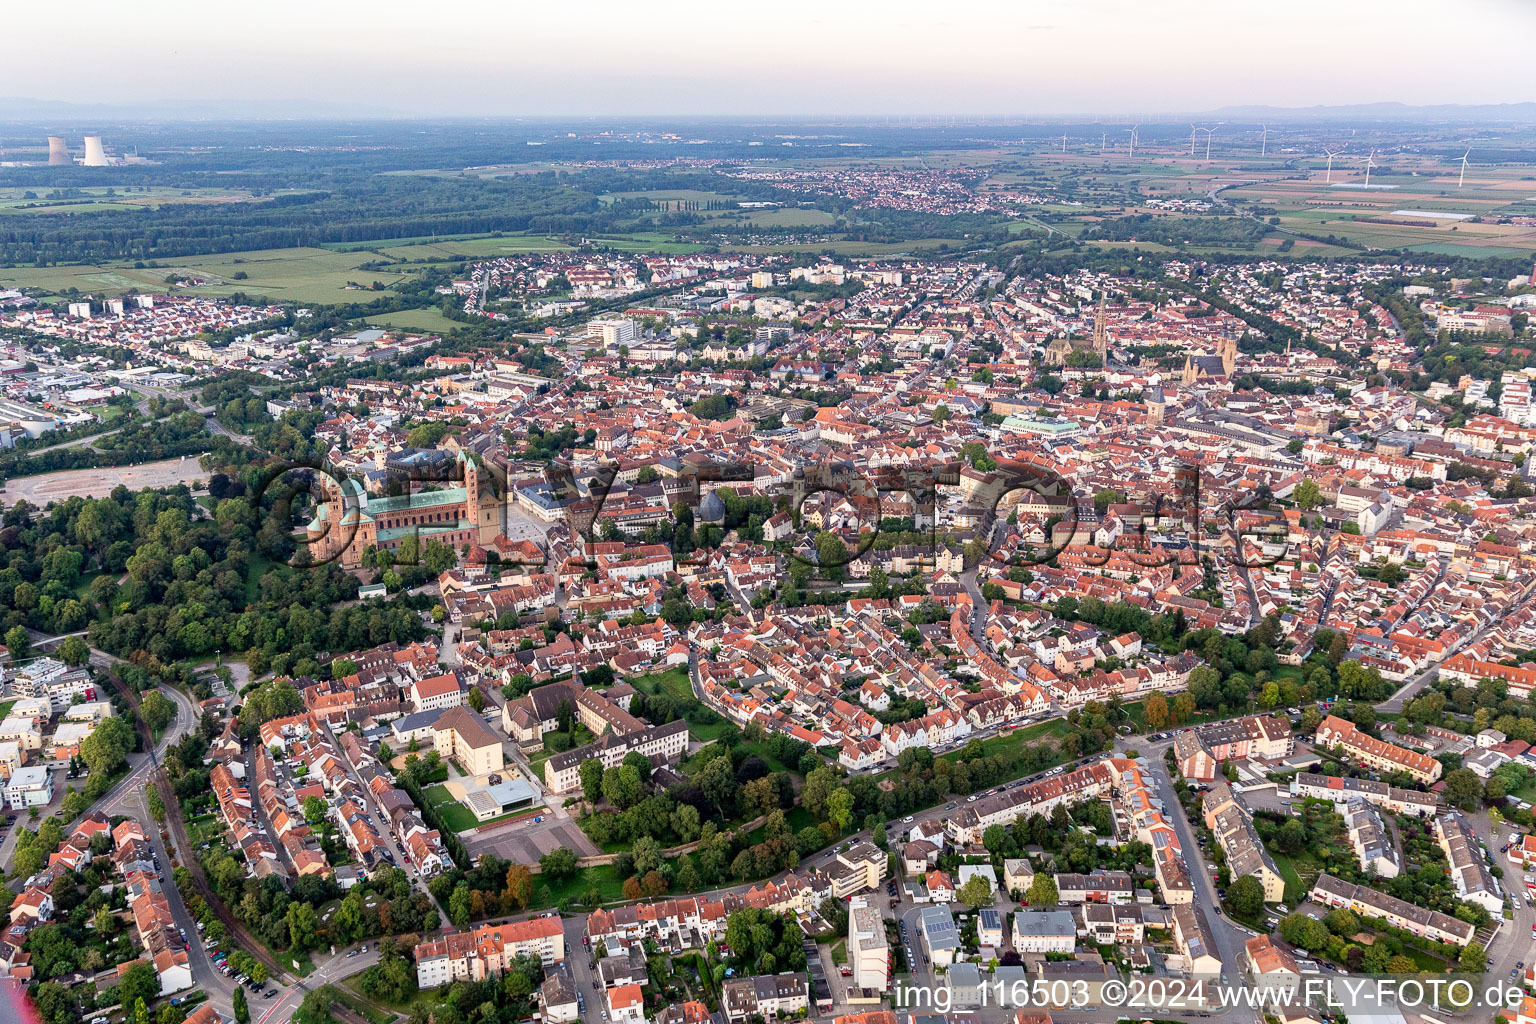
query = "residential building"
x=1375 y=753
x=1368 y=902
x=1044 y=931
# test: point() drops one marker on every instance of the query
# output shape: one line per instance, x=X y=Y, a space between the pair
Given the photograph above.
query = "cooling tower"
x=58 y=152
x=95 y=156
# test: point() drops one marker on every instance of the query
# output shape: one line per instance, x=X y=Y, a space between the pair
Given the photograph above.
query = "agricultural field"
x=1420 y=212
x=295 y=275
x=94 y=198
x=475 y=247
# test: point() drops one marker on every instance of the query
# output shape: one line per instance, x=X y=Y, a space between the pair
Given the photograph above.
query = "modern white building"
x=868 y=952
x=29 y=787
x=1044 y=931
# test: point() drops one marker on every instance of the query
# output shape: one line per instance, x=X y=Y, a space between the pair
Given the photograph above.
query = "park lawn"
x=1009 y=744
x=710 y=733
x=5 y=707
x=752 y=749
x=258 y=567
x=583 y=738
x=673 y=682
x=603 y=876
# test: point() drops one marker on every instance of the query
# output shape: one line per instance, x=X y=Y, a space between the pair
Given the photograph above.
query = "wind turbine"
x=1331 y=154
x=1264 y=141
x=1463 y=168
x=1132 y=130
x=1192 y=130
x=1208 y=133
x=1370 y=162
x=1063 y=143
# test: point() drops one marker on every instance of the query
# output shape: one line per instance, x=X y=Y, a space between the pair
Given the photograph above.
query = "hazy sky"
x=481 y=57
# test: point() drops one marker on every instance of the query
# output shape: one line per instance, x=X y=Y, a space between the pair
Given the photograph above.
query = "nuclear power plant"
x=95 y=153
x=95 y=156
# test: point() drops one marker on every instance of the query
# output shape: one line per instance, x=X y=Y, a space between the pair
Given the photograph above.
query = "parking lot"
x=523 y=842
x=98 y=483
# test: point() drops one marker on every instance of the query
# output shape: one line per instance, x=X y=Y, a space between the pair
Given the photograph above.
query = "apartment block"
x=1232 y=822
x=1375 y=753
x=1368 y=835
x=1469 y=870
x=484 y=951
x=868 y=951
x=1368 y=902
x=1341 y=790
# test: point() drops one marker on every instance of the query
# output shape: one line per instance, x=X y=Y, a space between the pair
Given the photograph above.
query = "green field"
x=675 y=683
x=429 y=321
x=14 y=199
x=475 y=247
x=1008 y=745
x=458 y=817
x=295 y=275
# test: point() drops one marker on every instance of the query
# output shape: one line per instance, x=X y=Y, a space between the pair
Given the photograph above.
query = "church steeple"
x=1100 y=337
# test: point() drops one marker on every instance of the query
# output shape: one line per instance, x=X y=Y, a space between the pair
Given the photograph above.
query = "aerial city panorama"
x=689 y=514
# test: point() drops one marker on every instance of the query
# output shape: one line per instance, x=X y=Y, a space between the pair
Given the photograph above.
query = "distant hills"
x=1525 y=112
x=30 y=109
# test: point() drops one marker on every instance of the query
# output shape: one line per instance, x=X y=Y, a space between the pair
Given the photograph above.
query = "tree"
x=1157 y=711
x=1463 y=789
x=647 y=855
x=106 y=749
x=976 y=893
x=74 y=651
x=591 y=772
x=156 y=710
x=242 y=1011
x=1292 y=837
x=1042 y=891
x=559 y=864
x=1246 y=897
x=314 y=809
x=18 y=642
x=1474 y=959
x=840 y=808
x=1307 y=932
x=685 y=822
x=1341 y=921
x=301 y=926
x=140 y=983
x=1307 y=495
x=458 y=905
